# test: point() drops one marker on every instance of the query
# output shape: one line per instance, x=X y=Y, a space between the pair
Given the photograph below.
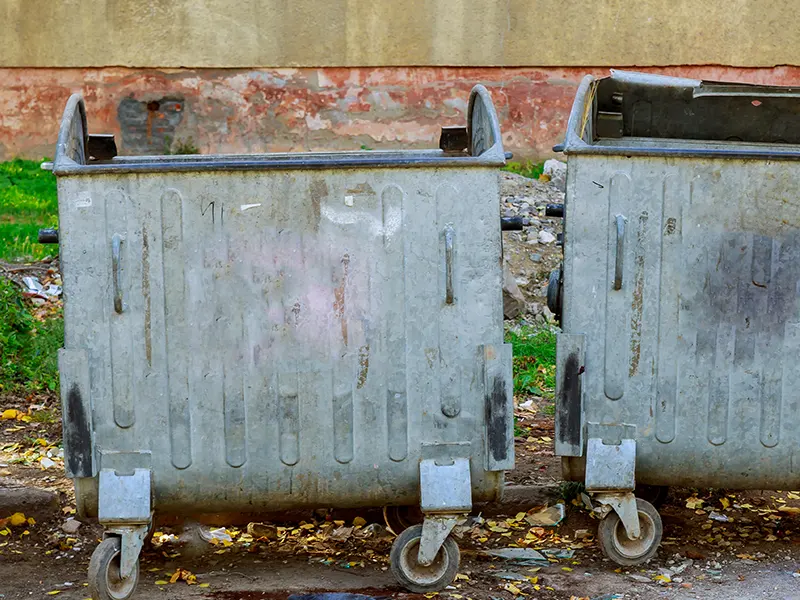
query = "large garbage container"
x=681 y=294
x=260 y=332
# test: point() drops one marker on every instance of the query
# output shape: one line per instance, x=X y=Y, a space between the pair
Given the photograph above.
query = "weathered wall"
x=317 y=33
x=229 y=110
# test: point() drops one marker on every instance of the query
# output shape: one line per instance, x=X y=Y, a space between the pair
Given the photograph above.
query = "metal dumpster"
x=681 y=294
x=270 y=331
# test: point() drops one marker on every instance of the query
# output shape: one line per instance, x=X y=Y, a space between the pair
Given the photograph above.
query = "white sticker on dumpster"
x=83 y=200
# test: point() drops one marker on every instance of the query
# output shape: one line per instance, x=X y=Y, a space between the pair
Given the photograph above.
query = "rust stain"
x=318 y=190
x=362 y=188
x=148 y=344
x=339 y=297
x=637 y=305
x=363 y=362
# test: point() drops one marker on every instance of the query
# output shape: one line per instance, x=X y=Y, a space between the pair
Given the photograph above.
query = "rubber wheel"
x=416 y=577
x=654 y=494
x=400 y=518
x=624 y=551
x=104 y=580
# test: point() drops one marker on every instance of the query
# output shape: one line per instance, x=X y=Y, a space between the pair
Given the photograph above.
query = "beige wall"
x=314 y=33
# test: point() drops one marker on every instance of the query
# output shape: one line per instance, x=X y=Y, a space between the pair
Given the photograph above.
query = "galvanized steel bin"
x=259 y=332
x=681 y=291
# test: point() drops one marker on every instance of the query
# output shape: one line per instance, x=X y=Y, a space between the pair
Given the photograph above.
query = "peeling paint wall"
x=237 y=110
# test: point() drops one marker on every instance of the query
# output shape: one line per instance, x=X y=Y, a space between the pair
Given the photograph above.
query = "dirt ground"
x=716 y=545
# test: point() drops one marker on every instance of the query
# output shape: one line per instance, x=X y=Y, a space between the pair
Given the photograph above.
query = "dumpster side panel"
x=286 y=339
x=696 y=349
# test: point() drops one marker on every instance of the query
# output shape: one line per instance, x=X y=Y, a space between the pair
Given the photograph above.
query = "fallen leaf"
x=204 y=585
x=17 y=519
x=9 y=414
x=161 y=582
x=175 y=576
x=725 y=502
x=54 y=592
x=694 y=502
x=510 y=587
x=792 y=510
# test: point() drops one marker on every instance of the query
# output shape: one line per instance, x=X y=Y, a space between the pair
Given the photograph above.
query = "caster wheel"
x=104 y=580
x=416 y=577
x=624 y=551
x=400 y=518
x=654 y=494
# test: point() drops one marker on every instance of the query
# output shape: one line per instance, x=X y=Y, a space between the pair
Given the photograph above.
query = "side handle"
x=116 y=270
x=449 y=234
x=619 y=263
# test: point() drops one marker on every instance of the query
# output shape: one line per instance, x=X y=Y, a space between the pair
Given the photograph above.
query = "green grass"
x=28 y=202
x=28 y=347
x=529 y=169
x=534 y=361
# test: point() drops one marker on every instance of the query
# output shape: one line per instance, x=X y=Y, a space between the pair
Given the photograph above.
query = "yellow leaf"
x=359 y=522
x=307 y=526
x=462 y=577
x=203 y=585
x=17 y=519
x=513 y=589
x=175 y=576
x=9 y=414
x=161 y=582
x=533 y=579
x=694 y=502
x=456 y=596
x=792 y=510
x=24 y=418
x=663 y=578
x=54 y=592
x=725 y=502
x=31 y=521
x=566 y=569
x=483 y=540
x=546 y=439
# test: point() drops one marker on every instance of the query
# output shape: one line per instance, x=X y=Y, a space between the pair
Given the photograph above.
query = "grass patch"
x=28 y=202
x=28 y=348
x=534 y=361
x=529 y=169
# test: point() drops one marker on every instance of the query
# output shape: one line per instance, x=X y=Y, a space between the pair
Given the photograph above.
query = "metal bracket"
x=624 y=503
x=124 y=499
x=435 y=529
x=445 y=486
x=132 y=537
x=610 y=467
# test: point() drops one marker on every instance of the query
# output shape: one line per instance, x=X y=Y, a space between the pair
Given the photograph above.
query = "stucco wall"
x=232 y=110
x=318 y=33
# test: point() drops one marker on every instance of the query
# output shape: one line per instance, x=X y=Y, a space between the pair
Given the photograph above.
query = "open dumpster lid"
x=638 y=113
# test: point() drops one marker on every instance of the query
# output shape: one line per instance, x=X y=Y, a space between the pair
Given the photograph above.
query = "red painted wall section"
x=235 y=111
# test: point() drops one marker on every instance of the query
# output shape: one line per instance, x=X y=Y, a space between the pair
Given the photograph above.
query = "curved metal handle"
x=116 y=270
x=448 y=264
x=618 y=266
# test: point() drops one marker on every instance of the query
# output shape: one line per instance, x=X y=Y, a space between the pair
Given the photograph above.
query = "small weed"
x=519 y=430
x=530 y=169
x=46 y=416
x=570 y=490
x=550 y=410
x=534 y=361
x=179 y=146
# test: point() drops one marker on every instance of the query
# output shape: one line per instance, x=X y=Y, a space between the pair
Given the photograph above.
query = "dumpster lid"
x=77 y=154
x=640 y=113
